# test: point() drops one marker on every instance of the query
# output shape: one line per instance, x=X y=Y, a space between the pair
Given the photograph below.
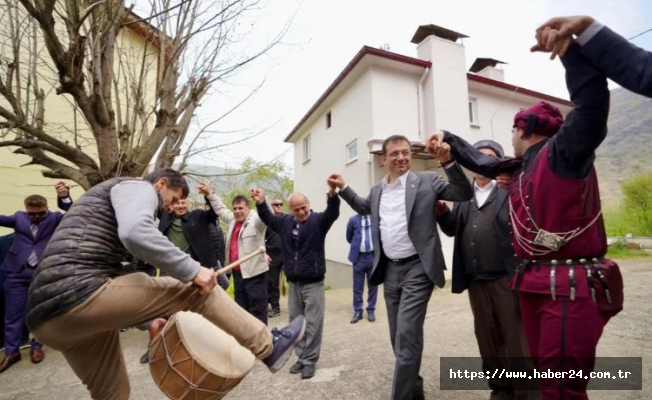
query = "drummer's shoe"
x=308 y=371
x=284 y=340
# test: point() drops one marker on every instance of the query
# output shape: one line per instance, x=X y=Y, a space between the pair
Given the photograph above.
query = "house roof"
x=143 y=28
x=517 y=89
x=366 y=50
x=481 y=63
x=427 y=30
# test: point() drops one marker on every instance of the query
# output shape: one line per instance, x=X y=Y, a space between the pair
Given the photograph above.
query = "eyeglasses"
x=37 y=214
x=277 y=204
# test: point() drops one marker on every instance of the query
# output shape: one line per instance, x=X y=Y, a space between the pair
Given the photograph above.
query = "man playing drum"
x=80 y=297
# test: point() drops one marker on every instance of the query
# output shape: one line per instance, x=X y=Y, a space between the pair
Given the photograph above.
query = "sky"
x=325 y=35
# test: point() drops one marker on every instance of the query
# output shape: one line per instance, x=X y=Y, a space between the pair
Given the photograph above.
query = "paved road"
x=356 y=360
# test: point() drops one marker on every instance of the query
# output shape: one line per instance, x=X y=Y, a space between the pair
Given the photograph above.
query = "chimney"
x=445 y=89
x=486 y=67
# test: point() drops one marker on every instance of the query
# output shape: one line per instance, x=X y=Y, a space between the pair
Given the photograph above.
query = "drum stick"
x=260 y=250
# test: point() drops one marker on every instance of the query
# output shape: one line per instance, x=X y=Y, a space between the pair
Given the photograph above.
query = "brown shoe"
x=8 y=361
x=36 y=355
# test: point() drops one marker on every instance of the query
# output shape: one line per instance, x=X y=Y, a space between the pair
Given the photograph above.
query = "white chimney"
x=445 y=89
x=486 y=67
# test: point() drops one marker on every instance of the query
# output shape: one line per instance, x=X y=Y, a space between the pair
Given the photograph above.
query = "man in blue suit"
x=33 y=229
x=361 y=255
x=5 y=244
x=624 y=63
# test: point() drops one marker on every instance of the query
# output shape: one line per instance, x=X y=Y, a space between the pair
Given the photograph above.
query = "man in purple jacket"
x=33 y=229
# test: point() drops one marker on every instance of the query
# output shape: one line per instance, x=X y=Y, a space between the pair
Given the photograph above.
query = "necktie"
x=33 y=258
x=367 y=234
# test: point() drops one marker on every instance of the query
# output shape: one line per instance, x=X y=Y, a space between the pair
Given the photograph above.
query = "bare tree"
x=132 y=83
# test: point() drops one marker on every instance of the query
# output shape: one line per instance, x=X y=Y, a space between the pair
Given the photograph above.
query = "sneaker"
x=297 y=367
x=274 y=313
x=284 y=341
x=25 y=344
x=308 y=371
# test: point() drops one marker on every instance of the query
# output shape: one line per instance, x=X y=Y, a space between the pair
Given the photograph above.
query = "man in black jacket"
x=302 y=238
x=274 y=251
x=190 y=231
x=483 y=263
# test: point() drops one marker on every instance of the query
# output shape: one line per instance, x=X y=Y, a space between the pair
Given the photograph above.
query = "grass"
x=620 y=251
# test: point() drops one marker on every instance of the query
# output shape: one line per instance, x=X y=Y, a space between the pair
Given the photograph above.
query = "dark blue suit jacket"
x=624 y=63
x=354 y=236
x=24 y=241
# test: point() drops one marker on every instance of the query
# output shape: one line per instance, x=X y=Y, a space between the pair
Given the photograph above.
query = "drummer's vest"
x=83 y=253
x=554 y=218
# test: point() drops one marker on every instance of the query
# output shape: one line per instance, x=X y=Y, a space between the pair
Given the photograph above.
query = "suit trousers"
x=274 y=295
x=251 y=294
x=500 y=336
x=16 y=287
x=562 y=335
x=309 y=300
x=407 y=291
x=89 y=334
x=25 y=336
x=362 y=271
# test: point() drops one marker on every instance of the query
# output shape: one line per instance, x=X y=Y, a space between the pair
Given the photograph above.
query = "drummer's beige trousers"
x=89 y=334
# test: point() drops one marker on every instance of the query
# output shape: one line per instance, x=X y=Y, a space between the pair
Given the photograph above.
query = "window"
x=306 y=148
x=328 y=120
x=473 y=111
x=352 y=151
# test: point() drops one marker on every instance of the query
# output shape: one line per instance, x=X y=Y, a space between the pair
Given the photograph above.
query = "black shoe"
x=308 y=371
x=371 y=317
x=145 y=358
x=284 y=341
x=418 y=393
x=297 y=367
x=356 y=317
x=274 y=313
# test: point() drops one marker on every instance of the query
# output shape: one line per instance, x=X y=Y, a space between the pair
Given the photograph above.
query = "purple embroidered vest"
x=569 y=208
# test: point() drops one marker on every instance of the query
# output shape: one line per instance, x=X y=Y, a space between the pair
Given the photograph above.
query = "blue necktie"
x=367 y=242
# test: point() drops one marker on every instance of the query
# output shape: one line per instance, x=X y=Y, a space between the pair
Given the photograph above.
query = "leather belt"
x=402 y=261
x=364 y=253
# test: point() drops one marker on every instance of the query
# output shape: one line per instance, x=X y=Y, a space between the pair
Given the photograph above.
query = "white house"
x=379 y=94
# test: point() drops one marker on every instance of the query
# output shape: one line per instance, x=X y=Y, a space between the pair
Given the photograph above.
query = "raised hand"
x=204 y=189
x=62 y=189
x=437 y=148
x=555 y=35
x=335 y=181
x=258 y=195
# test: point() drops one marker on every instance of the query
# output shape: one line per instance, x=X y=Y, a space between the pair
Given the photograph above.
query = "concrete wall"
x=351 y=118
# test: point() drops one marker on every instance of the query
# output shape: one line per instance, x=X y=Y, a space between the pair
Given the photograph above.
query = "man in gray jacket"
x=80 y=296
x=407 y=252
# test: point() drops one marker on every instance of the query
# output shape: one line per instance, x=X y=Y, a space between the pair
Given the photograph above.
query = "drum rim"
x=197 y=359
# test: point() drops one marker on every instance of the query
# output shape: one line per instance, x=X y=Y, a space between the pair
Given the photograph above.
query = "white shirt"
x=482 y=194
x=393 y=219
x=365 y=222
